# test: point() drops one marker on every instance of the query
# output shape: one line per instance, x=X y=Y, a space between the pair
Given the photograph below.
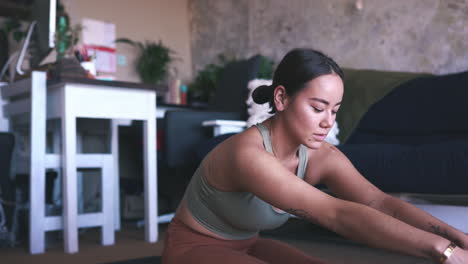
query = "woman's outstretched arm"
x=347 y=183
x=420 y=219
x=260 y=173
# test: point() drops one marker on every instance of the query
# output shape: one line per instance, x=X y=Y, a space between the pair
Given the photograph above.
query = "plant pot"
x=69 y=67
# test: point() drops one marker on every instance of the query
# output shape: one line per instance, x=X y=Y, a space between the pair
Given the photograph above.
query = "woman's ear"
x=280 y=97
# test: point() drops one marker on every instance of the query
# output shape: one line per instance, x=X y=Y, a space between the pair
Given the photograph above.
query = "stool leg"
x=56 y=143
x=116 y=176
x=79 y=176
x=107 y=194
x=70 y=214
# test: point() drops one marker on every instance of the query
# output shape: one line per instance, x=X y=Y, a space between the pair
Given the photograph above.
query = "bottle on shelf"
x=183 y=94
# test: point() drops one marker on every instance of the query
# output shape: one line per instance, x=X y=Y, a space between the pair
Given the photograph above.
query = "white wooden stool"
x=103 y=219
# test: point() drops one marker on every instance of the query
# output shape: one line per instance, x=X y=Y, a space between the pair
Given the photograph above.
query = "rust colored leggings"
x=183 y=245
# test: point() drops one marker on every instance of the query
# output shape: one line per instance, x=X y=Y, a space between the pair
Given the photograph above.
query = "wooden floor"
x=130 y=244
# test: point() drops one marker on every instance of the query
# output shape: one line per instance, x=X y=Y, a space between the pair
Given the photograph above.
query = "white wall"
x=141 y=20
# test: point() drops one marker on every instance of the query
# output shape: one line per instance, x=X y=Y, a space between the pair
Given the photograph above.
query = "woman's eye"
x=318 y=110
x=334 y=112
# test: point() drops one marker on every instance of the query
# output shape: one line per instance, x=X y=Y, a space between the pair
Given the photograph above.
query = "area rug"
x=301 y=230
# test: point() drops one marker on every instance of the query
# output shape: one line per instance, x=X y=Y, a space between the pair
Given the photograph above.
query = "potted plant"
x=9 y=29
x=203 y=87
x=66 y=37
x=153 y=59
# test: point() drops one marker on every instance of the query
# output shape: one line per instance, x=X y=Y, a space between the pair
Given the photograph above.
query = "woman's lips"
x=319 y=137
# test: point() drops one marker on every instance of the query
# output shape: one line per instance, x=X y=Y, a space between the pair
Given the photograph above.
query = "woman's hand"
x=461 y=240
x=464 y=242
x=459 y=256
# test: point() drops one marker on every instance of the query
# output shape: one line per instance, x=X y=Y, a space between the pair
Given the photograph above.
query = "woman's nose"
x=327 y=121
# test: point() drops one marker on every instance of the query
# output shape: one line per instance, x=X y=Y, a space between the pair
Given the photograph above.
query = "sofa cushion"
x=438 y=168
x=420 y=108
x=362 y=89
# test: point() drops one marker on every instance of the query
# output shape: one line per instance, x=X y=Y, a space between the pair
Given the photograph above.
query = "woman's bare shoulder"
x=225 y=160
x=325 y=152
x=320 y=160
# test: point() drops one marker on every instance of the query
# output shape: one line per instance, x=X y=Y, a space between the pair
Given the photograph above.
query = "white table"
x=68 y=100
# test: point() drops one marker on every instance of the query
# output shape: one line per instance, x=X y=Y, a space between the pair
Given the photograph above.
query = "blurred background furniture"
x=68 y=99
x=7 y=191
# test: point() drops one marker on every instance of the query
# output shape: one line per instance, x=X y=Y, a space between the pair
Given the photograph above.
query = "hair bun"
x=262 y=94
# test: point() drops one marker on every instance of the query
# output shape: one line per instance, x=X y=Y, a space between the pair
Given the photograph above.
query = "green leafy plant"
x=152 y=63
x=203 y=87
x=266 y=68
x=12 y=26
x=10 y=29
x=66 y=37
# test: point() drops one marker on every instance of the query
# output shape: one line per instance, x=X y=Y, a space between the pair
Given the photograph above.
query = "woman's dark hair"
x=298 y=67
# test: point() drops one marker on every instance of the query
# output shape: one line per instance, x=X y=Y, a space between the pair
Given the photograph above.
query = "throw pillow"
x=256 y=113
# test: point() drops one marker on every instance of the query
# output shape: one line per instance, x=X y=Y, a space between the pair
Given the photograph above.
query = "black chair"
x=7 y=143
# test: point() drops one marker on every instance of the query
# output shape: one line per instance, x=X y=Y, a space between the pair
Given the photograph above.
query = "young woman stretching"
x=256 y=179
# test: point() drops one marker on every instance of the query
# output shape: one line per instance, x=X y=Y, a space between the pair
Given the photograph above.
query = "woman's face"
x=311 y=113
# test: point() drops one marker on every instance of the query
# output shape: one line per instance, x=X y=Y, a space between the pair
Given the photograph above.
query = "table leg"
x=37 y=164
x=70 y=213
x=150 y=165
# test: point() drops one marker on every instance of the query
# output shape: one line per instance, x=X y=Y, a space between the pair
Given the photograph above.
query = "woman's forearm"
x=418 y=218
x=371 y=227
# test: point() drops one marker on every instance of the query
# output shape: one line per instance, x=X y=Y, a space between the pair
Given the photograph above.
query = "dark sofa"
x=409 y=137
x=415 y=138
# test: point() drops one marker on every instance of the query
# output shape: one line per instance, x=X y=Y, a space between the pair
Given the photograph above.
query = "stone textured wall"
x=399 y=35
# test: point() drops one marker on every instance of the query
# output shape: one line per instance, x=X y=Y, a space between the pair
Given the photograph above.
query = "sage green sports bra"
x=236 y=215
